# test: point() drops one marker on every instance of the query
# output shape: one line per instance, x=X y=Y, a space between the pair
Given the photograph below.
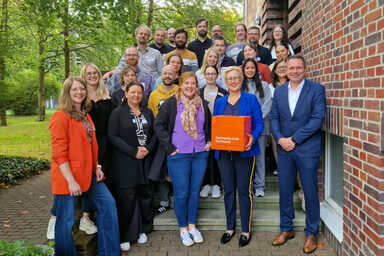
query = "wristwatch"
x=99 y=166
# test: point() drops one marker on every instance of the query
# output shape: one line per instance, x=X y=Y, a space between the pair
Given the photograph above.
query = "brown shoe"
x=310 y=244
x=283 y=237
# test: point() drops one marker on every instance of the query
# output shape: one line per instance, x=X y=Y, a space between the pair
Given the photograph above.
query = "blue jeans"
x=106 y=220
x=85 y=205
x=187 y=174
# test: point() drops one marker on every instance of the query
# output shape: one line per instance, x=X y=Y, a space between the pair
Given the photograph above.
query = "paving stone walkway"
x=25 y=211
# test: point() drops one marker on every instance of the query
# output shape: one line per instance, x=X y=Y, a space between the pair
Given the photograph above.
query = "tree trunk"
x=66 y=41
x=4 y=51
x=150 y=13
x=41 y=88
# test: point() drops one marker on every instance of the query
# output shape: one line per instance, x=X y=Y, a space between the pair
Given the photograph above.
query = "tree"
x=40 y=17
x=4 y=50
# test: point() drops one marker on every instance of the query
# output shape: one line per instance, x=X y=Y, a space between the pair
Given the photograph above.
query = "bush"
x=24 y=85
x=19 y=248
x=13 y=168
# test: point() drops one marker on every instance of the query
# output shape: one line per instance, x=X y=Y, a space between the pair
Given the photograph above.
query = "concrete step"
x=269 y=201
x=214 y=219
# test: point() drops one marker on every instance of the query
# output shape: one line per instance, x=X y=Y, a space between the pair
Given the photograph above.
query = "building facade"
x=342 y=41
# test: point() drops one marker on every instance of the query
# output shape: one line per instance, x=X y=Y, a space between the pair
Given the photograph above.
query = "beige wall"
x=252 y=8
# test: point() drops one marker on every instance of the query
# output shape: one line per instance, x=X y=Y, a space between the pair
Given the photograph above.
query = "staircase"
x=211 y=215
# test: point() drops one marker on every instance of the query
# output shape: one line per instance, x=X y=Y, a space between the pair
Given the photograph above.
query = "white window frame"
x=330 y=212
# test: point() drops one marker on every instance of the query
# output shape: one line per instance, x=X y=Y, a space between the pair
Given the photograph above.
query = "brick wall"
x=342 y=40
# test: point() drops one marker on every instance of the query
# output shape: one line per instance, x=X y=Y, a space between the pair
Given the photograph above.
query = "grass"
x=25 y=137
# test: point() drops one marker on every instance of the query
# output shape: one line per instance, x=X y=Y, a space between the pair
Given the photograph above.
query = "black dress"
x=129 y=175
x=100 y=112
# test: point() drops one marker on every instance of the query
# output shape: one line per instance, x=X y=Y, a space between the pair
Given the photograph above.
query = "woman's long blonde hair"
x=205 y=61
x=101 y=91
x=65 y=100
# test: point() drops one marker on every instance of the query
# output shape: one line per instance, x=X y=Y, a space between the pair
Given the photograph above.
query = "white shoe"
x=196 y=236
x=125 y=246
x=275 y=172
x=186 y=238
x=88 y=226
x=51 y=228
x=259 y=193
x=216 y=192
x=206 y=191
x=142 y=238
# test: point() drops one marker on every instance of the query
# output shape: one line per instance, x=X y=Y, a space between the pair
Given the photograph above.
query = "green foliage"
x=13 y=168
x=19 y=248
x=23 y=99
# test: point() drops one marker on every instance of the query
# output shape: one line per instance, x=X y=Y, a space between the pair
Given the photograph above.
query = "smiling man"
x=296 y=118
x=159 y=38
x=189 y=58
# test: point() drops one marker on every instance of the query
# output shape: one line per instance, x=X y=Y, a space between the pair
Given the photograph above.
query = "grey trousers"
x=259 y=180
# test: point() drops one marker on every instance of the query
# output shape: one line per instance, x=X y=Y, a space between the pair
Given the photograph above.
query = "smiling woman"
x=183 y=128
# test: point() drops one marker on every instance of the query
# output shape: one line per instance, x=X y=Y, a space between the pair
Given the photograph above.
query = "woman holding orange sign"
x=236 y=167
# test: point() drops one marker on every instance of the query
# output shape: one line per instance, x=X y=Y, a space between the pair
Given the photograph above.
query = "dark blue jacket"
x=249 y=106
x=305 y=124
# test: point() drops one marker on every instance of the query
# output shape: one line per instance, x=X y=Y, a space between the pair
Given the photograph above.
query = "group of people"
x=150 y=123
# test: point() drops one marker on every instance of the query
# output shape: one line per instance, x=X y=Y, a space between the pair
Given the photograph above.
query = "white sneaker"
x=125 y=246
x=259 y=193
x=196 y=236
x=51 y=228
x=142 y=238
x=216 y=192
x=206 y=191
x=275 y=172
x=88 y=226
x=186 y=238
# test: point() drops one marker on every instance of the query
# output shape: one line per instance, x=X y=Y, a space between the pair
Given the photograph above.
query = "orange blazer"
x=70 y=143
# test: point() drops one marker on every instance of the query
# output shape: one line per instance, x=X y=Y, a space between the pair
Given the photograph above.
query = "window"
x=331 y=210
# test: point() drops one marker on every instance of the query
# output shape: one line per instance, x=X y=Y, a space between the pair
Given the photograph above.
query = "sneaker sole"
x=88 y=233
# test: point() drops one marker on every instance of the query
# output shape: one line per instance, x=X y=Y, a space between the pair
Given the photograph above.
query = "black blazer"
x=218 y=96
x=163 y=127
x=125 y=169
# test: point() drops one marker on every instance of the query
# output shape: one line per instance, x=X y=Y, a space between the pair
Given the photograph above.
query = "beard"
x=180 y=45
x=132 y=63
x=202 y=33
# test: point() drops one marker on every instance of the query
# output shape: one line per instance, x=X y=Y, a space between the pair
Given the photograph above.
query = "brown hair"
x=284 y=39
x=125 y=71
x=274 y=77
x=182 y=67
x=65 y=100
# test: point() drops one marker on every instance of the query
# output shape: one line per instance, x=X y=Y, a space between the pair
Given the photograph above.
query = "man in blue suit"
x=296 y=118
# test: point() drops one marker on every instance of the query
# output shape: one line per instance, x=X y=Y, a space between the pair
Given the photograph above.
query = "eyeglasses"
x=216 y=31
x=92 y=73
x=281 y=67
x=78 y=90
x=277 y=32
x=130 y=55
x=232 y=79
x=211 y=74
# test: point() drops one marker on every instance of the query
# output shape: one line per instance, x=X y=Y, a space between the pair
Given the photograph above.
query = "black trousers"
x=236 y=172
x=134 y=209
x=212 y=175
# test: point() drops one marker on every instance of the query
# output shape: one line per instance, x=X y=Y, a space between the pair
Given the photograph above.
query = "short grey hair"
x=143 y=26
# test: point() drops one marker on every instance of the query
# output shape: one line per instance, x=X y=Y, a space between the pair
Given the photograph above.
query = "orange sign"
x=230 y=132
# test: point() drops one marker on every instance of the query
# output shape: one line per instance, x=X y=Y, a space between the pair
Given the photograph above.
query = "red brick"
x=376 y=60
x=373 y=16
x=373 y=82
x=377 y=161
x=356 y=5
